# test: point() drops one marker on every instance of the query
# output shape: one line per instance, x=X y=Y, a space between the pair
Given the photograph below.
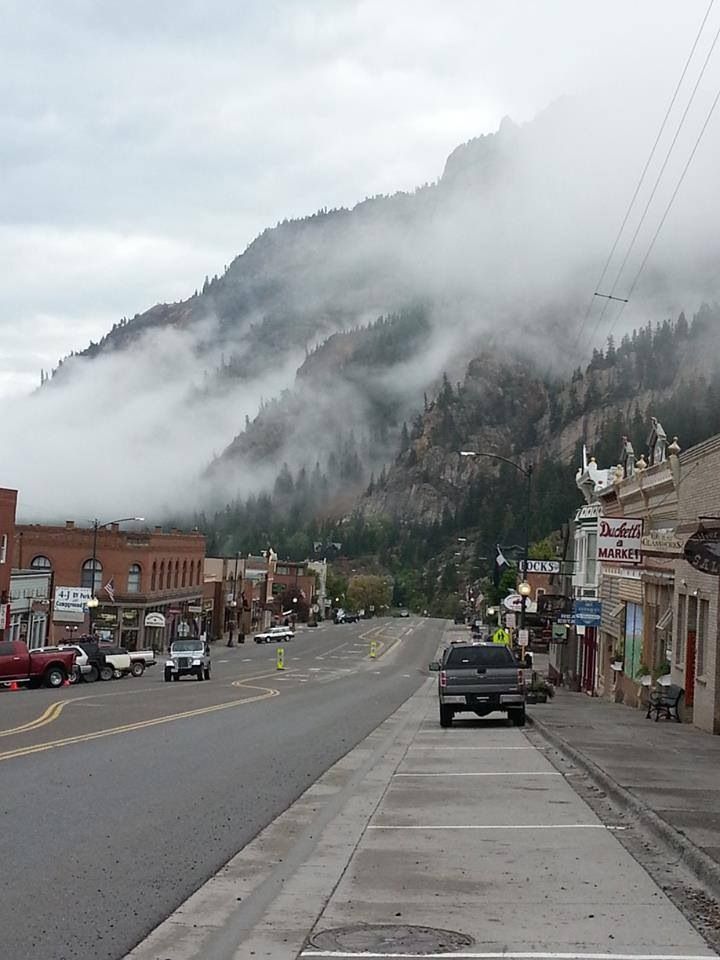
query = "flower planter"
x=645 y=680
x=617 y=665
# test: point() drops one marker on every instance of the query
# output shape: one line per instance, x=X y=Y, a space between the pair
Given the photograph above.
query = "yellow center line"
x=52 y=713
x=138 y=725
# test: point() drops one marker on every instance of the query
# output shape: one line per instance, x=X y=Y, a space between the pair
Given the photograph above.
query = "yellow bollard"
x=373 y=649
x=280 y=664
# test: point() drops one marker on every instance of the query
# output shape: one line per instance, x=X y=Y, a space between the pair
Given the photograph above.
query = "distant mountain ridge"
x=345 y=322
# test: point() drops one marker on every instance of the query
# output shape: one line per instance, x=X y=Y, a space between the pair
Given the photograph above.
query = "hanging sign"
x=702 y=550
x=154 y=619
x=620 y=540
x=540 y=566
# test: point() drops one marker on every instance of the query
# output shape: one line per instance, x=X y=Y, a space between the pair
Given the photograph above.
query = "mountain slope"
x=264 y=365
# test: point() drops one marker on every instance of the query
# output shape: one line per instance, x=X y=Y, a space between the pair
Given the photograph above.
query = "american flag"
x=109 y=589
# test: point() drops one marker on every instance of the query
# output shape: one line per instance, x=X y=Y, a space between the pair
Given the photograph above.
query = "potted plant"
x=662 y=673
x=539 y=690
x=643 y=676
x=617 y=660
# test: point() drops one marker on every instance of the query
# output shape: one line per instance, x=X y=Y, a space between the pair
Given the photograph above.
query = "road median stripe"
x=48 y=716
x=138 y=725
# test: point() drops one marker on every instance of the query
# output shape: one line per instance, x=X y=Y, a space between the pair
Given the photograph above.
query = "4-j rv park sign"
x=620 y=540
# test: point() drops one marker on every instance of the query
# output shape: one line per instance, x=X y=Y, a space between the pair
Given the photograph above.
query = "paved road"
x=118 y=800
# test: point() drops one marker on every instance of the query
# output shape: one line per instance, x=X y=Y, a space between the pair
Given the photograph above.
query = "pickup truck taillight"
x=443 y=678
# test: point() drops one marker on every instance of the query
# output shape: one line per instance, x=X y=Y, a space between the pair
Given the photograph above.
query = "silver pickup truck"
x=480 y=678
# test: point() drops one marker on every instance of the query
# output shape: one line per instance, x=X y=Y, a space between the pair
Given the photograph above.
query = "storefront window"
x=691 y=646
x=680 y=630
x=633 y=638
x=131 y=618
x=703 y=612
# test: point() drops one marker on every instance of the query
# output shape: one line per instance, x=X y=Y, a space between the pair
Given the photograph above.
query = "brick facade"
x=148 y=570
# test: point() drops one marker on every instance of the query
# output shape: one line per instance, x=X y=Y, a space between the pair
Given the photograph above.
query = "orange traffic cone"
x=66 y=682
x=14 y=685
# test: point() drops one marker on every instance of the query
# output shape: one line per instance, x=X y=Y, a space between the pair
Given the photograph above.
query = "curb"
x=703 y=866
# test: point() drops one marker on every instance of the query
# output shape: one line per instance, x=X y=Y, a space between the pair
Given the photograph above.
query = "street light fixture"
x=93 y=601
x=527 y=473
x=524 y=588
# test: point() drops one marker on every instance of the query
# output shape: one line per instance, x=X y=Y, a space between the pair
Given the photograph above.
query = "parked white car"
x=275 y=635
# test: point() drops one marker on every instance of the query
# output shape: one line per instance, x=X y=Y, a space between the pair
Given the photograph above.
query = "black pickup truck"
x=480 y=678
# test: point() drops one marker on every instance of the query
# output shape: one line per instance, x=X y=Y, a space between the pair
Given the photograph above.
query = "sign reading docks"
x=620 y=540
x=541 y=566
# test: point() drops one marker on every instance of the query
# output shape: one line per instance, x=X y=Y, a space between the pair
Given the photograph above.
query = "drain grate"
x=390 y=938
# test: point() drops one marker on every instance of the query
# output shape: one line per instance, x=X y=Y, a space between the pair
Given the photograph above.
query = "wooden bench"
x=664 y=701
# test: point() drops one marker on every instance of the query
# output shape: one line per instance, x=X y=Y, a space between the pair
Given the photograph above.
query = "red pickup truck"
x=17 y=663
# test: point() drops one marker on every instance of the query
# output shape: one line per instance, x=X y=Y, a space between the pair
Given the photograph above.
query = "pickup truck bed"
x=480 y=678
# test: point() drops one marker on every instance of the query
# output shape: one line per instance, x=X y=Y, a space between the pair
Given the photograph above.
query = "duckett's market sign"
x=620 y=540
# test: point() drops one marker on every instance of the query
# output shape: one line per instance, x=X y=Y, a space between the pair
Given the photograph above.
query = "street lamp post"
x=527 y=473
x=93 y=601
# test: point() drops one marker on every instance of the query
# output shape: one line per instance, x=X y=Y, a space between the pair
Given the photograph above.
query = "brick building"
x=137 y=573
x=8 y=504
x=225 y=597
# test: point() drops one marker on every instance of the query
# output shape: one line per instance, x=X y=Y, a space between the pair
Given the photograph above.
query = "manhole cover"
x=390 y=938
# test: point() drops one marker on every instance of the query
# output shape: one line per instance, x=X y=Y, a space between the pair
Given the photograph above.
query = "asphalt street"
x=119 y=799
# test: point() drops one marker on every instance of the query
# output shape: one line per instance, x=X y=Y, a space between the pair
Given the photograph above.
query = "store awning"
x=665 y=620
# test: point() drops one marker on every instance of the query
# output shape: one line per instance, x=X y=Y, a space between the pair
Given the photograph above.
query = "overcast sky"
x=144 y=144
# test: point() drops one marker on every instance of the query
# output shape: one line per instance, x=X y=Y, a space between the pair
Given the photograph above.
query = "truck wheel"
x=200 y=674
x=168 y=676
x=138 y=668
x=74 y=675
x=106 y=672
x=446 y=716
x=207 y=673
x=517 y=717
x=92 y=675
x=54 y=677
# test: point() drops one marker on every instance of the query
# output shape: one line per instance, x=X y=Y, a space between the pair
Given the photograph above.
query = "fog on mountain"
x=328 y=331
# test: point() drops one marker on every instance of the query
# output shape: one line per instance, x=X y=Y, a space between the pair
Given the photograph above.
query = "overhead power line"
x=656 y=185
x=641 y=180
x=660 y=225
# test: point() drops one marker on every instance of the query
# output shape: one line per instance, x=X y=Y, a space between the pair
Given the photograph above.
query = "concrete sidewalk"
x=668 y=772
x=429 y=842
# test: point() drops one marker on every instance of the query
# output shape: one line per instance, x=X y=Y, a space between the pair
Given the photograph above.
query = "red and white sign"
x=620 y=540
